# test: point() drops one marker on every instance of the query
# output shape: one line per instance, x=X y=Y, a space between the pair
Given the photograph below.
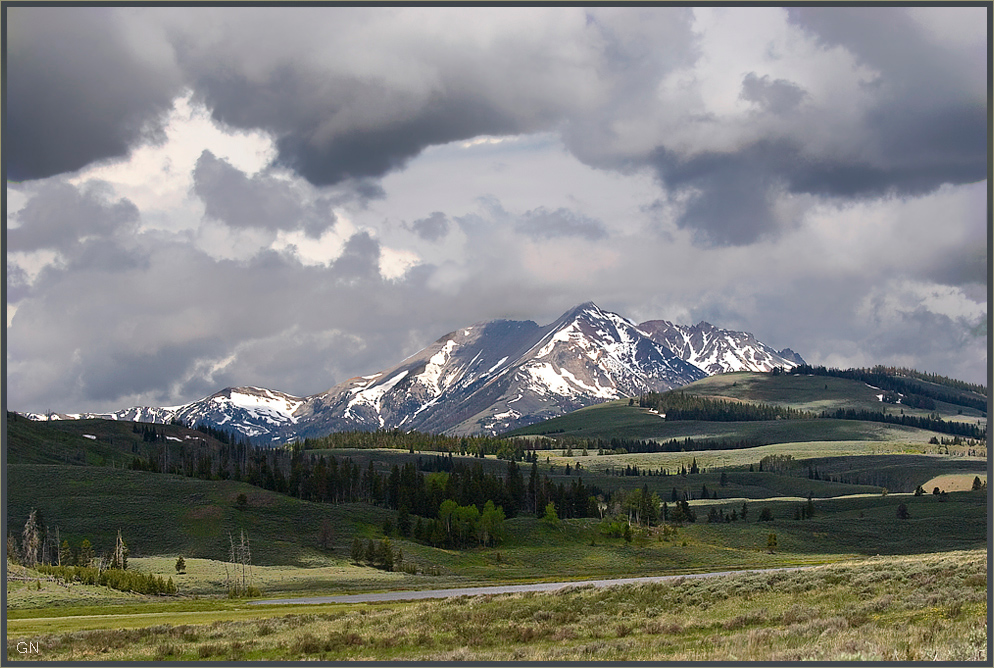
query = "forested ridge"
x=931 y=422
x=908 y=382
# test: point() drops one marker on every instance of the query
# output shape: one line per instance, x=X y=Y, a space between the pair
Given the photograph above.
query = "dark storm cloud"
x=302 y=106
x=778 y=96
x=925 y=125
x=123 y=372
x=261 y=201
x=733 y=192
x=541 y=223
x=239 y=201
x=432 y=228
x=929 y=123
x=359 y=261
x=76 y=91
x=377 y=151
x=59 y=215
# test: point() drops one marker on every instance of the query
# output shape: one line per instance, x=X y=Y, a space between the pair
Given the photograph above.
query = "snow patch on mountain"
x=436 y=366
x=374 y=395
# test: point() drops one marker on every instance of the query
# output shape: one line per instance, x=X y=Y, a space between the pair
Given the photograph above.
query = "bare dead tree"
x=31 y=539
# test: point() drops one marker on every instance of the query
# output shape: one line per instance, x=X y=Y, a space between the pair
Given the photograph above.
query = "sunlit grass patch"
x=908 y=608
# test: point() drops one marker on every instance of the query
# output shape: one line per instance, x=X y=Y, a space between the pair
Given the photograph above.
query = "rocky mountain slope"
x=719 y=350
x=487 y=378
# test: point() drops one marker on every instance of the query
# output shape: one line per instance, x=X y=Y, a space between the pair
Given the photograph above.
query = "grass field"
x=287 y=560
x=954 y=482
x=923 y=600
x=919 y=608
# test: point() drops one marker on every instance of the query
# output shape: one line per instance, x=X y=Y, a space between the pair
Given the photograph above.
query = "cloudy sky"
x=288 y=197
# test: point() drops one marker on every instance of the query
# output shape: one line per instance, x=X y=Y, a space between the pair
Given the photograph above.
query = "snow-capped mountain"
x=497 y=375
x=251 y=411
x=719 y=350
x=486 y=378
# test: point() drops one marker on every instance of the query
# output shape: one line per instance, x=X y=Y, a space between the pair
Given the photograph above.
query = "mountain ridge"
x=488 y=377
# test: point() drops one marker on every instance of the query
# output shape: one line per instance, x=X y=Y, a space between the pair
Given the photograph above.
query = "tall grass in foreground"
x=918 y=608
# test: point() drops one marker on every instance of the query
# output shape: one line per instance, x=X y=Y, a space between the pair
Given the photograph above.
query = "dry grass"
x=921 y=608
x=954 y=482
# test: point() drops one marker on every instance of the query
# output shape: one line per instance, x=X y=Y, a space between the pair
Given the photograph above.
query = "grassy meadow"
x=909 y=608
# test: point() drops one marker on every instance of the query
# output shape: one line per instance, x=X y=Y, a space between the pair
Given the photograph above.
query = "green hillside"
x=169 y=514
x=815 y=394
x=94 y=442
x=811 y=394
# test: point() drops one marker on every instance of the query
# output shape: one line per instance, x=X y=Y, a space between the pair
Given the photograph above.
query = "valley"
x=609 y=491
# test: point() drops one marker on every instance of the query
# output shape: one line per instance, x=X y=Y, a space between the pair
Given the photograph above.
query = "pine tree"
x=357 y=551
x=403 y=521
x=13 y=552
x=326 y=534
x=86 y=554
x=180 y=565
x=65 y=554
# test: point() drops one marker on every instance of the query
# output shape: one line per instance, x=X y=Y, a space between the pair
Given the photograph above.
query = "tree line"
x=683 y=406
x=916 y=394
x=320 y=477
x=931 y=422
x=479 y=446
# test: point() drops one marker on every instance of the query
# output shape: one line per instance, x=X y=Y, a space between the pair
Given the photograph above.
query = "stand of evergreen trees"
x=682 y=406
x=115 y=578
x=310 y=476
x=931 y=423
x=479 y=446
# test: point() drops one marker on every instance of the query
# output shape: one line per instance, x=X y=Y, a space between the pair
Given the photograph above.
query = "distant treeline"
x=917 y=394
x=931 y=423
x=479 y=446
x=625 y=445
x=682 y=406
x=931 y=378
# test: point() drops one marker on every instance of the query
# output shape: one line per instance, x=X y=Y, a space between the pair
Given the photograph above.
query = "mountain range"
x=486 y=378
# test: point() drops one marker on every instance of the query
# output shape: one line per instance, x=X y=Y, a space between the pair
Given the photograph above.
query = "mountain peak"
x=580 y=309
x=718 y=350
